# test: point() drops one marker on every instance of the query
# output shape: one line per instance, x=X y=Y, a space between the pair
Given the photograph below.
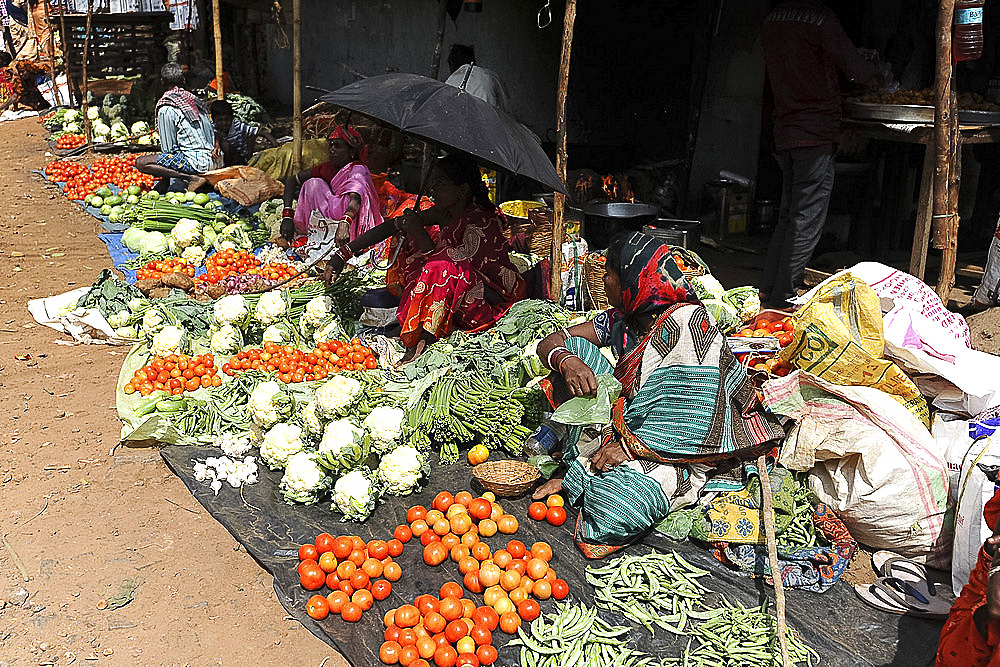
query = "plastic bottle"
x=543 y=440
x=967 y=30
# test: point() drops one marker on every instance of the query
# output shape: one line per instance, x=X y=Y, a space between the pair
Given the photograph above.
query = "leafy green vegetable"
x=109 y=295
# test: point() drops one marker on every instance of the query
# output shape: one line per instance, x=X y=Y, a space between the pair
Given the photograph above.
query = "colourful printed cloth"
x=961 y=643
x=328 y=192
x=735 y=516
x=446 y=287
x=176 y=161
x=814 y=569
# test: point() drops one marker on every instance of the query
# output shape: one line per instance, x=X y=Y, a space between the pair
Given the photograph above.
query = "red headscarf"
x=353 y=139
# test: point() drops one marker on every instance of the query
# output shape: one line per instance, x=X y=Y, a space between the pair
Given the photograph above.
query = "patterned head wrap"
x=651 y=281
x=352 y=138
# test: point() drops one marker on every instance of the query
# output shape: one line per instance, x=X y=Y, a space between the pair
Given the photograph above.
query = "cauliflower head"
x=342 y=447
x=328 y=329
x=401 y=470
x=274 y=334
x=280 y=442
x=355 y=495
x=304 y=480
x=269 y=403
x=316 y=310
x=311 y=422
x=194 y=255
x=168 y=340
x=270 y=307
x=186 y=232
x=226 y=340
x=152 y=320
x=230 y=309
x=336 y=395
x=384 y=425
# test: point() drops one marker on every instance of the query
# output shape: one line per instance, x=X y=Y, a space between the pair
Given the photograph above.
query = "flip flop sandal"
x=888 y=564
x=935 y=605
x=885 y=596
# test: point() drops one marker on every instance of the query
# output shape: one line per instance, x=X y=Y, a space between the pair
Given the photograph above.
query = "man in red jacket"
x=805 y=48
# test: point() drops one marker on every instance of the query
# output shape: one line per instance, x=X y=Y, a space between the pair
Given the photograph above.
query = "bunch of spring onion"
x=161 y=215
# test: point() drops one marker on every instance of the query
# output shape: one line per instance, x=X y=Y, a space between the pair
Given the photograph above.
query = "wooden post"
x=86 y=86
x=559 y=201
x=64 y=37
x=217 y=35
x=296 y=87
x=944 y=118
x=439 y=42
x=56 y=95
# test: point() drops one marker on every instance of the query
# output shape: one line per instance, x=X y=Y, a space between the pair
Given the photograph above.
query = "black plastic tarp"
x=844 y=631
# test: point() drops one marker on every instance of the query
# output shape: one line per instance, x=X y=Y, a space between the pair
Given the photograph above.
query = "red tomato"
x=312 y=578
x=443 y=501
x=324 y=543
x=351 y=612
x=537 y=510
x=378 y=549
x=395 y=545
x=381 y=589
x=481 y=635
x=487 y=655
x=415 y=513
x=486 y=617
x=455 y=630
x=403 y=534
x=560 y=589
x=317 y=607
x=445 y=656
x=556 y=516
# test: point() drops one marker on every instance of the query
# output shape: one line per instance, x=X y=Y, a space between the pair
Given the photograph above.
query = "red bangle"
x=287 y=212
x=345 y=252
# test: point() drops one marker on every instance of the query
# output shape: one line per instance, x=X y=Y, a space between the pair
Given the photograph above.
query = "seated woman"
x=341 y=190
x=464 y=278
x=971 y=636
x=687 y=419
x=19 y=84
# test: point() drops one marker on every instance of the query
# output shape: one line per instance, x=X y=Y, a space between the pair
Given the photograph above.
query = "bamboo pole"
x=767 y=510
x=439 y=42
x=64 y=38
x=217 y=38
x=56 y=95
x=945 y=228
x=296 y=86
x=86 y=86
x=559 y=201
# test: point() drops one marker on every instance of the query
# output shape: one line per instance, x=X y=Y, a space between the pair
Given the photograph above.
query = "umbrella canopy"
x=450 y=116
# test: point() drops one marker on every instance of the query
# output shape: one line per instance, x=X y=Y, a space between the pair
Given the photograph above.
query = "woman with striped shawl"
x=687 y=420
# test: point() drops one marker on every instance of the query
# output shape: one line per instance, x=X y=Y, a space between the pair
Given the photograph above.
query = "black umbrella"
x=452 y=117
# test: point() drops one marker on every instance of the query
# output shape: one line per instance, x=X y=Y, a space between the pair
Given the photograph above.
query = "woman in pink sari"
x=341 y=191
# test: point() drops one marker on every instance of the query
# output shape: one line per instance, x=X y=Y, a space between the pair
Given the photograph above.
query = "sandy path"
x=82 y=520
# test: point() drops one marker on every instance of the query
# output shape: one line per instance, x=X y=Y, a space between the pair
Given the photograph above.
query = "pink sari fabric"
x=328 y=193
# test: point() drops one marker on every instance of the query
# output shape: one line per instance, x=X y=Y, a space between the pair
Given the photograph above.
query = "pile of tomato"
x=175 y=373
x=274 y=271
x=226 y=263
x=70 y=141
x=157 y=268
x=294 y=365
x=356 y=572
x=80 y=181
x=783 y=330
x=551 y=510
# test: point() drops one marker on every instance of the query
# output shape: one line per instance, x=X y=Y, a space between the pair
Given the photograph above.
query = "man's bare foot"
x=196 y=182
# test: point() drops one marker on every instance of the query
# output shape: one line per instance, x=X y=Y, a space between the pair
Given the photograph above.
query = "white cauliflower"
x=280 y=442
x=328 y=330
x=269 y=404
x=342 y=447
x=233 y=445
x=152 y=320
x=311 y=421
x=355 y=495
x=334 y=396
x=304 y=481
x=225 y=245
x=274 y=334
x=194 y=255
x=226 y=340
x=186 y=232
x=384 y=425
x=401 y=470
x=167 y=341
x=230 y=309
x=316 y=310
x=270 y=307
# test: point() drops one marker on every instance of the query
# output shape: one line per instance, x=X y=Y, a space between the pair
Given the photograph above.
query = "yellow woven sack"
x=838 y=337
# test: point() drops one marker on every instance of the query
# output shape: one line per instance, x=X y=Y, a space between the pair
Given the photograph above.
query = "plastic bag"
x=975 y=489
x=586 y=410
x=838 y=337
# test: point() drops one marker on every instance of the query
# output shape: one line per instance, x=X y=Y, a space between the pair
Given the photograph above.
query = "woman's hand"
x=287 y=228
x=554 y=485
x=580 y=379
x=343 y=234
x=608 y=456
x=333 y=269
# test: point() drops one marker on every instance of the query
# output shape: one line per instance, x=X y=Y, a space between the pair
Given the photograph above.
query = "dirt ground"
x=79 y=520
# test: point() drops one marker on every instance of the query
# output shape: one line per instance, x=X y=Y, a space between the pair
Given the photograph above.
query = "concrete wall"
x=342 y=39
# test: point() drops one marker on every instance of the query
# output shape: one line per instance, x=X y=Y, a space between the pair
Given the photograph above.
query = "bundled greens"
x=530 y=320
x=109 y=295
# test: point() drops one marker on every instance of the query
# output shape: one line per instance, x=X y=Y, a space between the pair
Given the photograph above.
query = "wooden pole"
x=296 y=86
x=64 y=37
x=559 y=201
x=56 y=95
x=767 y=509
x=86 y=86
x=439 y=42
x=220 y=91
x=944 y=236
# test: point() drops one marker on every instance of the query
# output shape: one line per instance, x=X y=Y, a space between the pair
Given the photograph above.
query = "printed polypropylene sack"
x=871 y=460
x=838 y=337
x=974 y=490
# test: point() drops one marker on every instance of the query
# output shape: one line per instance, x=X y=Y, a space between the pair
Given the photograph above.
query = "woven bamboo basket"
x=537 y=228
x=506 y=477
x=593 y=276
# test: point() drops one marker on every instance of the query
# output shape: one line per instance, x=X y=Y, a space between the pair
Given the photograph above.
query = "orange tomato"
x=510 y=622
x=536 y=510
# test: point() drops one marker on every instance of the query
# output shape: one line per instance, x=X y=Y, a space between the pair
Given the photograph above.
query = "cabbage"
x=155 y=242
x=724 y=314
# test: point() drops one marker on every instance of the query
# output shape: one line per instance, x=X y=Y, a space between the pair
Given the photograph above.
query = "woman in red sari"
x=462 y=279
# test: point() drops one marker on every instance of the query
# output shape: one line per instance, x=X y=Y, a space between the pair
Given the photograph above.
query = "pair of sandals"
x=904 y=588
